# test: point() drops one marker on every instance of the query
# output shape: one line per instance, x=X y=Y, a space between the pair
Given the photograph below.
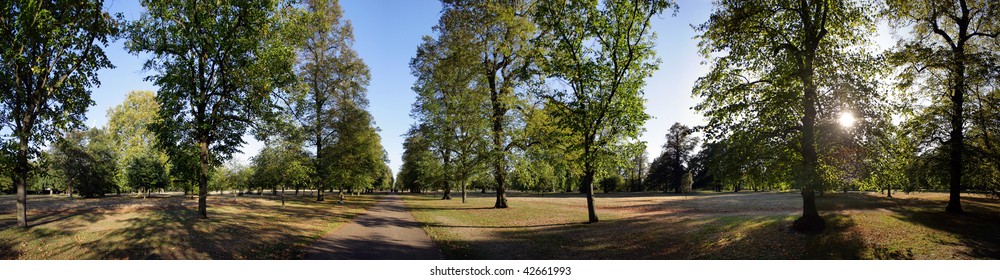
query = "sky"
x=387 y=34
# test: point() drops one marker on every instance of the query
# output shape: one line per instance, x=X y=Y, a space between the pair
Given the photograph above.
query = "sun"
x=846 y=119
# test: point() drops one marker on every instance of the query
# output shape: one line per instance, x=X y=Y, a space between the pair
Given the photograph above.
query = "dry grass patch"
x=710 y=226
x=168 y=228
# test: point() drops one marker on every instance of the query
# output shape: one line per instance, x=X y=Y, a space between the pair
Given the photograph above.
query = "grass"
x=167 y=228
x=710 y=226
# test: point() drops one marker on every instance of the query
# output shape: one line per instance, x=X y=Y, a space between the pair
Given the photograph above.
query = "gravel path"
x=386 y=232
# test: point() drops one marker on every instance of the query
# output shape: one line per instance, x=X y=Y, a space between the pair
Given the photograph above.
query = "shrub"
x=612 y=183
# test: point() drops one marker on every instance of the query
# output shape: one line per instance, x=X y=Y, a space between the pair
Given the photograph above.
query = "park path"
x=387 y=231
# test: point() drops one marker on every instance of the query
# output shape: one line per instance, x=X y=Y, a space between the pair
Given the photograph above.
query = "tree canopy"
x=217 y=64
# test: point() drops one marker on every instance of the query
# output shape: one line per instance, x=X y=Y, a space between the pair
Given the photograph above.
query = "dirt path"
x=386 y=232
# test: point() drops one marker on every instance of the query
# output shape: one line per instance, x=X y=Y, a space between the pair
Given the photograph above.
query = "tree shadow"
x=8 y=251
x=701 y=237
x=751 y=226
x=237 y=229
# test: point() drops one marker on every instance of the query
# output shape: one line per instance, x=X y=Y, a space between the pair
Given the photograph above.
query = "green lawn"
x=167 y=228
x=710 y=226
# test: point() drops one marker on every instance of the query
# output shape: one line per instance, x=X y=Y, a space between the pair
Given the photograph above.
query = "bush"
x=146 y=173
x=612 y=183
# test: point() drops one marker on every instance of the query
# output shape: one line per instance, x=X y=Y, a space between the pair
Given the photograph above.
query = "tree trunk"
x=588 y=186
x=497 y=118
x=447 y=190
x=957 y=140
x=203 y=182
x=463 y=191
x=810 y=220
x=282 y=196
x=21 y=168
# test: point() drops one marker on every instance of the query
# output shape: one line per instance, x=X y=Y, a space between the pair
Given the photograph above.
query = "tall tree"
x=52 y=53
x=779 y=62
x=499 y=34
x=129 y=128
x=948 y=38
x=217 y=64
x=451 y=105
x=676 y=156
x=86 y=161
x=420 y=168
x=603 y=52
x=357 y=147
x=328 y=67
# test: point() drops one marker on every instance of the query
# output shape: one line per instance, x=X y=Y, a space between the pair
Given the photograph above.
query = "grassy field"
x=167 y=228
x=710 y=226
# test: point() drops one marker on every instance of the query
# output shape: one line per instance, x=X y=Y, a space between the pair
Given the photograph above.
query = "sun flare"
x=846 y=119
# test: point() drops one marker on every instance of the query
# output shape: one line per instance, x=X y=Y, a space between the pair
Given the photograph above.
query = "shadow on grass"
x=752 y=226
x=236 y=229
x=8 y=251
x=725 y=237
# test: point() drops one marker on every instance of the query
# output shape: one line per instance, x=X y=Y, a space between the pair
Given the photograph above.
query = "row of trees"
x=280 y=70
x=547 y=95
x=536 y=94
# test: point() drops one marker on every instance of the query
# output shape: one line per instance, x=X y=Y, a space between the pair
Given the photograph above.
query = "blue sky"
x=387 y=34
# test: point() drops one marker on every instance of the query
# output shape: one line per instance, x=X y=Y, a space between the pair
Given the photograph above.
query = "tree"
x=947 y=41
x=776 y=63
x=86 y=162
x=217 y=64
x=129 y=128
x=281 y=164
x=357 y=146
x=674 y=162
x=329 y=70
x=146 y=173
x=52 y=54
x=612 y=183
x=420 y=169
x=498 y=35
x=450 y=105
x=603 y=52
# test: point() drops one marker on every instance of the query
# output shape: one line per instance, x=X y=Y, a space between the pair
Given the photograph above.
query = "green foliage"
x=667 y=170
x=52 y=52
x=234 y=177
x=603 y=52
x=782 y=72
x=612 y=183
x=217 y=64
x=279 y=165
x=129 y=128
x=330 y=95
x=146 y=173
x=491 y=41
x=420 y=170
x=948 y=63
x=86 y=162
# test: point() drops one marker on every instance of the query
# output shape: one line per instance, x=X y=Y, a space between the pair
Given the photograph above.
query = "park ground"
x=746 y=225
x=743 y=225
x=254 y=227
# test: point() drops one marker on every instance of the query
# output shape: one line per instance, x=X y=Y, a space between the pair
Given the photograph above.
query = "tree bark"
x=447 y=190
x=463 y=191
x=588 y=186
x=21 y=167
x=810 y=220
x=957 y=136
x=497 y=117
x=203 y=181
